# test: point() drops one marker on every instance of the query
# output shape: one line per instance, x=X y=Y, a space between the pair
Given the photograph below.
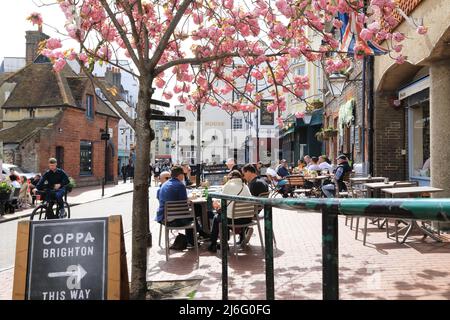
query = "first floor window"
x=237 y=123
x=85 y=158
x=419 y=140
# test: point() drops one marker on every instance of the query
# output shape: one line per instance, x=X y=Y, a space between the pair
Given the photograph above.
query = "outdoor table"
x=366 y=179
x=372 y=186
x=418 y=192
x=323 y=177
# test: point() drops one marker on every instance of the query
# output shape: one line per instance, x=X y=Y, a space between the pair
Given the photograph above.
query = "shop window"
x=90 y=106
x=86 y=158
x=419 y=140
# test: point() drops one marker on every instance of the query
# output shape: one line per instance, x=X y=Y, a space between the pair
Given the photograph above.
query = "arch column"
x=439 y=128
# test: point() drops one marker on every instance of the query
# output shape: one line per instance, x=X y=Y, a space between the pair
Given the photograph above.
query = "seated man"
x=257 y=187
x=174 y=190
x=283 y=172
x=54 y=182
x=342 y=168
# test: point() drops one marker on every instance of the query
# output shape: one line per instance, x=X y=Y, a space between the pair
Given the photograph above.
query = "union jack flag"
x=350 y=31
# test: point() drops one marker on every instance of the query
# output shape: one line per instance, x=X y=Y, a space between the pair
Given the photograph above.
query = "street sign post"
x=79 y=259
x=105 y=136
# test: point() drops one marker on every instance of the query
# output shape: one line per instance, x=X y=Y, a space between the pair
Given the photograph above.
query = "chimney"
x=32 y=44
x=113 y=76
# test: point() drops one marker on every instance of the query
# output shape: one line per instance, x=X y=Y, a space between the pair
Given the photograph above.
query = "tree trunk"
x=140 y=219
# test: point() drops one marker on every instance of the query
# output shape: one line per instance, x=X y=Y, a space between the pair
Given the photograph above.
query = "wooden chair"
x=175 y=210
x=296 y=183
x=273 y=190
x=244 y=209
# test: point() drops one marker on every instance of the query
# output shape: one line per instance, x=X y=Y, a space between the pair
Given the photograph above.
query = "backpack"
x=180 y=242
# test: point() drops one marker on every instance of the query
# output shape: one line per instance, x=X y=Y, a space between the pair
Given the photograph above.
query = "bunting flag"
x=350 y=31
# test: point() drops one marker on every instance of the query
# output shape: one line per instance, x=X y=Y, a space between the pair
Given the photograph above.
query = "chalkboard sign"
x=79 y=259
x=67 y=260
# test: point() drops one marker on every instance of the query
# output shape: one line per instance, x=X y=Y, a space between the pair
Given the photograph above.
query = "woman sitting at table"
x=234 y=186
x=314 y=165
x=325 y=164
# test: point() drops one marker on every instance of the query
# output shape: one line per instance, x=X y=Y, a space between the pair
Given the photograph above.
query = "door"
x=60 y=157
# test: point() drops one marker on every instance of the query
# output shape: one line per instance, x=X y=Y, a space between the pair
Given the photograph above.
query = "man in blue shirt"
x=282 y=170
x=174 y=190
x=342 y=169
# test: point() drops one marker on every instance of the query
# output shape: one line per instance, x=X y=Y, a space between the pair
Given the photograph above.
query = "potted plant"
x=329 y=132
x=72 y=184
x=314 y=105
x=5 y=191
x=319 y=135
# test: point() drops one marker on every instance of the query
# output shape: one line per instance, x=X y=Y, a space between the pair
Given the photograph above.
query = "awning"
x=316 y=119
x=291 y=130
x=163 y=156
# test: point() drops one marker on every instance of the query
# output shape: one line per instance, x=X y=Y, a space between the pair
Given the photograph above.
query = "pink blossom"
x=422 y=30
x=299 y=115
x=35 y=18
x=398 y=36
x=228 y=4
x=400 y=59
x=337 y=23
x=53 y=44
x=397 y=103
x=366 y=34
x=167 y=95
x=59 y=64
x=398 y=47
x=83 y=57
x=160 y=83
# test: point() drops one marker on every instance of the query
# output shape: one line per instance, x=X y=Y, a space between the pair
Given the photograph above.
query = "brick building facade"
x=48 y=114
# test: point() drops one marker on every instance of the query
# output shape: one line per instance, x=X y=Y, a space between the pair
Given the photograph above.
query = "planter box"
x=4 y=196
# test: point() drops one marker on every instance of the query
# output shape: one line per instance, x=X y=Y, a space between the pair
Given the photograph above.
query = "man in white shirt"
x=324 y=165
x=307 y=159
x=14 y=181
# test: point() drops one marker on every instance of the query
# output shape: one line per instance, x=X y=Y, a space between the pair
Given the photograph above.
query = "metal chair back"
x=174 y=210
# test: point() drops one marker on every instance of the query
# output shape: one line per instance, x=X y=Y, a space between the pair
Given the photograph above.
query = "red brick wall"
x=68 y=132
x=389 y=138
x=407 y=7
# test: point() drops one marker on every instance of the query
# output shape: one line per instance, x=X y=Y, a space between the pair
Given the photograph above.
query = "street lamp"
x=307 y=118
x=336 y=83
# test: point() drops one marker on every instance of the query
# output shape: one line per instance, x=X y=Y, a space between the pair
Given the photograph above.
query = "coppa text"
x=67 y=239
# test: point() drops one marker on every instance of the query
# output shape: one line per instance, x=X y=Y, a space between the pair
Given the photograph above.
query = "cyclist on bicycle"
x=54 y=183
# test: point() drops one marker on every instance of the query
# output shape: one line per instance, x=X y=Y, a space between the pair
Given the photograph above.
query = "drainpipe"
x=370 y=110
x=363 y=117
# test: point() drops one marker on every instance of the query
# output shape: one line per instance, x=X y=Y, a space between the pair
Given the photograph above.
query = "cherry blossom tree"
x=183 y=47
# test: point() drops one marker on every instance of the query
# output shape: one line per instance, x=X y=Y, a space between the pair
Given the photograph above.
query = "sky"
x=13 y=24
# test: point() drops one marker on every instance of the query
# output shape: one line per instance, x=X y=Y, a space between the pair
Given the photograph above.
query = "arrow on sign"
x=74 y=273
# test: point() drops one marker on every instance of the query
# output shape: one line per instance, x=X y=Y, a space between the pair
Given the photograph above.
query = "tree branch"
x=122 y=33
x=108 y=95
x=167 y=34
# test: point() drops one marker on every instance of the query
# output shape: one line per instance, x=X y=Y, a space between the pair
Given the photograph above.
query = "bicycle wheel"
x=65 y=215
x=66 y=210
x=39 y=213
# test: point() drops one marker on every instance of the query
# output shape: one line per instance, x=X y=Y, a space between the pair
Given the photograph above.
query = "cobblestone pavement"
x=382 y=269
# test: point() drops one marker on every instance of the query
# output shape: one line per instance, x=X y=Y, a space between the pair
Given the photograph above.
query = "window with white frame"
x=237 y=123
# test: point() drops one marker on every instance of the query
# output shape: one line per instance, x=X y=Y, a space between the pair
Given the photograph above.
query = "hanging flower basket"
x=314 y=105
x=329 y=133
x=326 y=134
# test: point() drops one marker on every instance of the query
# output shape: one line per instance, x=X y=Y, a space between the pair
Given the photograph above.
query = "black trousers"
x=215 y=226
